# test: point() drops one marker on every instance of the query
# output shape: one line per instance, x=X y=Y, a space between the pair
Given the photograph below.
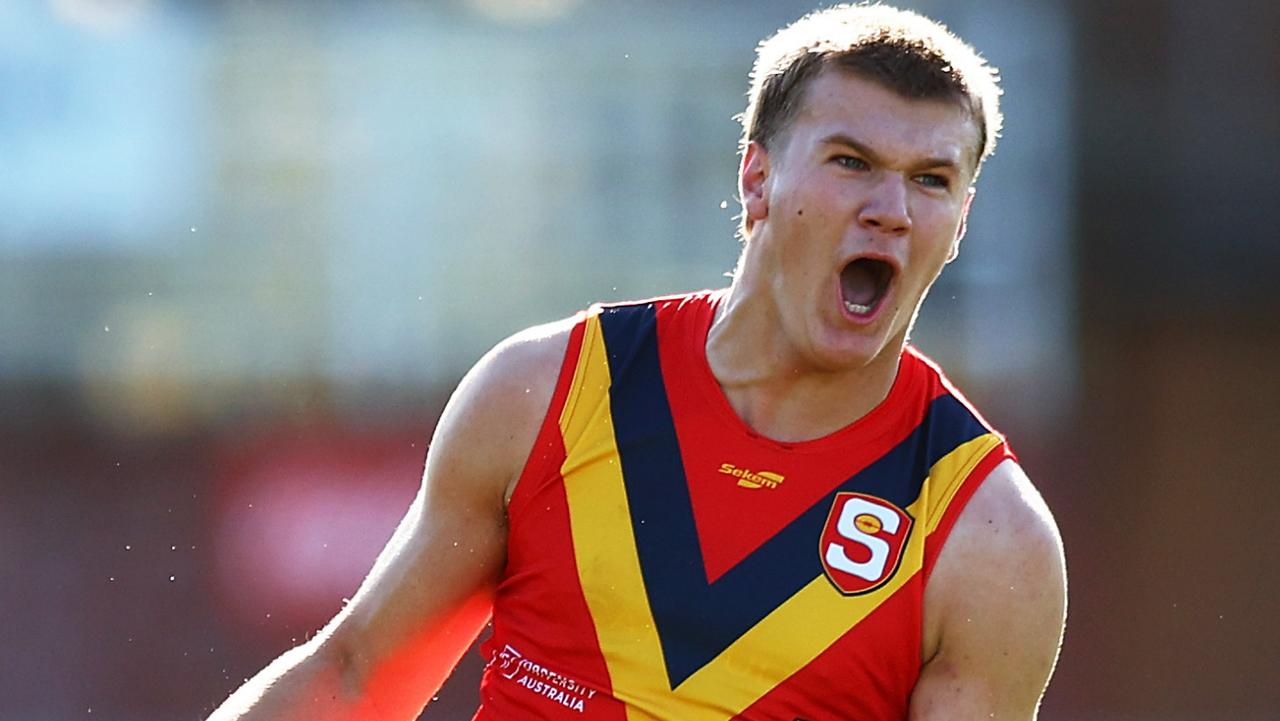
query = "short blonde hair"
x=905 y=52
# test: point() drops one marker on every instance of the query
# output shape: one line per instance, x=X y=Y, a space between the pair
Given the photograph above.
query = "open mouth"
x=864 y=282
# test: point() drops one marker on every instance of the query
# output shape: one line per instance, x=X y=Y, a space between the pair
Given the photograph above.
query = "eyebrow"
x=842 y=139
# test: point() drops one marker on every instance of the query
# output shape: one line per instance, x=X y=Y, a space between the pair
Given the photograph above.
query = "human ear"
x=964 y=224
x=752 y=175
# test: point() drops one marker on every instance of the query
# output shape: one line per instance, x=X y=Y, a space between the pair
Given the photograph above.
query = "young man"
x=733 y=504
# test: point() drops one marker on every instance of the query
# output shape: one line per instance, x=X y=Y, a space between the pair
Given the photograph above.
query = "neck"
x=774 y=388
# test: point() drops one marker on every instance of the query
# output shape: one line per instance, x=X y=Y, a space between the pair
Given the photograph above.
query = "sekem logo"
x=752 y=479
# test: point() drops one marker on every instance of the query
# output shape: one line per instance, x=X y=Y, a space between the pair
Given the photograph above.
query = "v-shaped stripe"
x=696 y=621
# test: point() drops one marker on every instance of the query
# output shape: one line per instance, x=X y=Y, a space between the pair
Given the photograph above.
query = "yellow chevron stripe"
x=600 y=518
x=609 y=569
x=949 y=473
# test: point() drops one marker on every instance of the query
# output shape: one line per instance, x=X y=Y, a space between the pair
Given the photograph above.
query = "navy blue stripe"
x=696 y=620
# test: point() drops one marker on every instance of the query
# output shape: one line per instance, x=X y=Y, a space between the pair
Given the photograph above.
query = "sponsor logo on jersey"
x=862 y=542
x=536 y=678
x=752 y=479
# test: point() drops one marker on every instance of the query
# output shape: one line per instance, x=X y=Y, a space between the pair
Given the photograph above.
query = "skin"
x=861 y=171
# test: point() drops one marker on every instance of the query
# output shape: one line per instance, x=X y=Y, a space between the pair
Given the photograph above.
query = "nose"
x=885 y=208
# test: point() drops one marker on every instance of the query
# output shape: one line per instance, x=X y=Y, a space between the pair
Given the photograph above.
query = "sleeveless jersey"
x=667 y=562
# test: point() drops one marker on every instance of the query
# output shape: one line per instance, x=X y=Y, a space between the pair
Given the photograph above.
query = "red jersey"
x=667 y=562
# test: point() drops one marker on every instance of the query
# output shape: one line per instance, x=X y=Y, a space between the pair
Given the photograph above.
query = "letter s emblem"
x=863 y=541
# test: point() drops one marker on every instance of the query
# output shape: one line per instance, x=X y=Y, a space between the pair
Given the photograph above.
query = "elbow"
x=346 y=665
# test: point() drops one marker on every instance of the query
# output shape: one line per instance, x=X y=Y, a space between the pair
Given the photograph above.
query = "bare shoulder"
x=497 y=409
x=995 y=606
x=534 y=353
x=1006 y=527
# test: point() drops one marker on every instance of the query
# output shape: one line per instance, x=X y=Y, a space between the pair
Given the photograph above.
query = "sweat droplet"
x=724 y=204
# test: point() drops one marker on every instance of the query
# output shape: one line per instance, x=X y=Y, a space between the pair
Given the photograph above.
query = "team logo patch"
x=862 y=542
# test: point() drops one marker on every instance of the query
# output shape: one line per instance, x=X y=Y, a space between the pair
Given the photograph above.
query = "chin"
x=845 y=354
x=842 y=349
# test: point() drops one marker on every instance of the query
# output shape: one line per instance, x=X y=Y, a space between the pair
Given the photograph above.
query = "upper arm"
x=430 y=590
x=995 y=607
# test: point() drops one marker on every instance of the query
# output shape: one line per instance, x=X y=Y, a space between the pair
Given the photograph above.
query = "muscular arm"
x=994 y=608
x=429 y=593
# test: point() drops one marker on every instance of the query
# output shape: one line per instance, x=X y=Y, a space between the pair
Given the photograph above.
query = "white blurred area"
x=202 y=203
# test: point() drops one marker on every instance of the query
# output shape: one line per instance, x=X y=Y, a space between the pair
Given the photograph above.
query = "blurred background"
x=247 y=249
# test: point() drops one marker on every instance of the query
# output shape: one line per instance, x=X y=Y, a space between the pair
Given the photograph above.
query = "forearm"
x=341 y=675
x=305 y=683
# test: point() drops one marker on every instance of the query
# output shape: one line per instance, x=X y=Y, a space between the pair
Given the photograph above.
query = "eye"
x=851 y=162
x=933 y=180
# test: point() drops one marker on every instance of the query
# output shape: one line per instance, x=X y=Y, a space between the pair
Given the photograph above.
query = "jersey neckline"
x=693 y=336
